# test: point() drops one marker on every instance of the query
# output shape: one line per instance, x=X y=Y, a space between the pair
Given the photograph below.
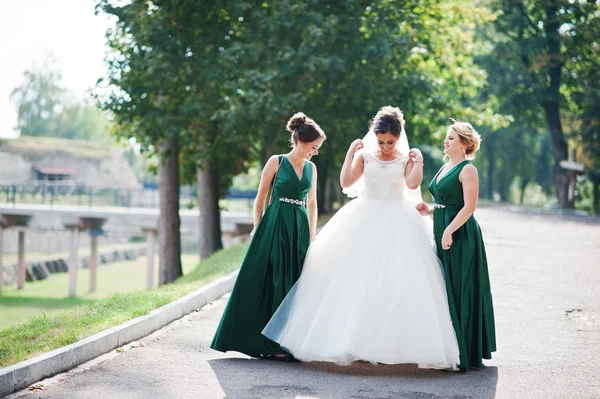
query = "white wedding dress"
x=372 y=287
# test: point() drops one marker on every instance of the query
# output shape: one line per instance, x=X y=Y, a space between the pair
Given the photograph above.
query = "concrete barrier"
x=21 y=375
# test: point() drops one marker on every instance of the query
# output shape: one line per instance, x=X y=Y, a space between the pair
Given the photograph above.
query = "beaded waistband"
x=292 y=201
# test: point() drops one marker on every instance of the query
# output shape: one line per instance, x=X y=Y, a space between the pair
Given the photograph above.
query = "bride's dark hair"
x=388 y=119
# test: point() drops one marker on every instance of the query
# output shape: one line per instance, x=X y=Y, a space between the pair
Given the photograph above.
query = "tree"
x=339 y=62
x=583 y=79
x=82 y=121
x=166 y=79
x=542 y=40
x=143 y=93
x=39 y=99
x=45 y=108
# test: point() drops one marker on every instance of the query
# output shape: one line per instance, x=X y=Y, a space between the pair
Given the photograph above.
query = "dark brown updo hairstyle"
x=388 y=119
x=303 y=129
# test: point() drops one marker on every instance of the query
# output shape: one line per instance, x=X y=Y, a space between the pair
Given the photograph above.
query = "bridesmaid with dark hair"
x=280 y=240
x=460 y=246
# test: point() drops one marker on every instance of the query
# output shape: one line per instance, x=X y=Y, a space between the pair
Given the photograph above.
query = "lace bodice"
x=384 y=180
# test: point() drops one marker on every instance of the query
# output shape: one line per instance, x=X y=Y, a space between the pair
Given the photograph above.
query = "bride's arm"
x=414 y=169
x=311 y=205
x=353 y=167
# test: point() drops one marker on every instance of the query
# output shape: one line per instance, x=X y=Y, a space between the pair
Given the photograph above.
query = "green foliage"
x=223 y=77
x=165 y=80
x=39 y=99
x=543 y=69
x=340 y=62
x=45 y=108
x=82 y=121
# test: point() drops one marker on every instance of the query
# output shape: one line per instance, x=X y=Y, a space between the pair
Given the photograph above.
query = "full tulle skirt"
x=371 y=289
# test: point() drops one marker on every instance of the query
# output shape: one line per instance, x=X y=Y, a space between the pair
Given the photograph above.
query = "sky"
x=30 y=29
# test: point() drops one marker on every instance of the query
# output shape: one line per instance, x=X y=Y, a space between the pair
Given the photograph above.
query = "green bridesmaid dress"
x=270 y=268
x=466 y=272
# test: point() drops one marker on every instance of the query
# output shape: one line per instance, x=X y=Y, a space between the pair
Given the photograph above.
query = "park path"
x=545 y=273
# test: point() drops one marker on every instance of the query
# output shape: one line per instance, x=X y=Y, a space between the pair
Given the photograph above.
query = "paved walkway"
x=545 y=274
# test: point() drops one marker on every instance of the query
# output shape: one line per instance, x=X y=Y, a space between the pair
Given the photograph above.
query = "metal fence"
x=68 y=192
x=65 y=192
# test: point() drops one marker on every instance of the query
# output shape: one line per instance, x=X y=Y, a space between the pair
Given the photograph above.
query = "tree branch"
x=521 y=8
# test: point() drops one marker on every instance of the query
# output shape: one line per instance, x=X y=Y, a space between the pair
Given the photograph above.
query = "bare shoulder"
x=275 y=160
x=272 y=164
x=469 y=173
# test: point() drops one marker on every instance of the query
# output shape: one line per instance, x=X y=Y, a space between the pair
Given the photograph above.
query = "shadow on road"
x=253 y=378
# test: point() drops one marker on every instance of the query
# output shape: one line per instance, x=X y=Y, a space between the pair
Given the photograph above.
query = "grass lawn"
x=50 y=296
x=54 y=320
x=32 y=256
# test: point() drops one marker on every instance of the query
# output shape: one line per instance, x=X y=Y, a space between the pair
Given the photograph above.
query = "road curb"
x=21 y=375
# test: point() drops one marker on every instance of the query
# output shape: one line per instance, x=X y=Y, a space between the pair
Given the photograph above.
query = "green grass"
x=61 y=320
x=33 y=256
x=36 y=146
x=49 y=296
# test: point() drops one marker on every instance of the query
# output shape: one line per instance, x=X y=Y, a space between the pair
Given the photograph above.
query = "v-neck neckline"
x=294 y=170
x=438 y=180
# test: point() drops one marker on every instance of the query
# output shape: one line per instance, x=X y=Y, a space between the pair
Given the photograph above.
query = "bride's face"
x=387 y=142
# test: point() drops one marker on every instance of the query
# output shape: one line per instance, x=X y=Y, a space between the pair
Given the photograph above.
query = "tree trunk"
x=169 y=222
x=522 y=185
x=210 y=214
x=596 y=193
x=559 y=148
x=551 y=105
x=503 y=186
x=491 y=166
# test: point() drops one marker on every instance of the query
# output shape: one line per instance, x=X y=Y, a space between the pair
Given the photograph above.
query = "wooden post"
x=150 y=235
x=21 y=261
x=93 y=262
x=73 y=263
x=1 y=254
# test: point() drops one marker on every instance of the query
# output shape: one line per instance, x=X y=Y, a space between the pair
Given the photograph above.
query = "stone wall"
x=94 y=165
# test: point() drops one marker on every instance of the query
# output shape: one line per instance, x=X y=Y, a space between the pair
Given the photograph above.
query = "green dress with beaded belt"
x=466 y=272
x=271 y=267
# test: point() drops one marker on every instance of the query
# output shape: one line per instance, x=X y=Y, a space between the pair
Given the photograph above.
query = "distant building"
x=53 y=174
x=35 y=159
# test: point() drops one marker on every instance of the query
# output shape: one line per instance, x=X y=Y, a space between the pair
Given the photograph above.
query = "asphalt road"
x=545 y=273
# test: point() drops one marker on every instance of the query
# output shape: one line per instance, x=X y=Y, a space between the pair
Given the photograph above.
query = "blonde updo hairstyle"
x=468 y=137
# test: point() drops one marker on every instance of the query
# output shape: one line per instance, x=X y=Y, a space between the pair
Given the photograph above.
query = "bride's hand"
x=446 y=240
x=355 y=146
x=415 y=155
x=423 y=209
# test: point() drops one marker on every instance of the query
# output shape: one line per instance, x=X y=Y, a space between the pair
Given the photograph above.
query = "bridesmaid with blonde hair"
x=460 y=247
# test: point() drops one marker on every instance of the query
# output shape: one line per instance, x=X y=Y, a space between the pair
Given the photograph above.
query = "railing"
x=72 y=193
x=69 y=192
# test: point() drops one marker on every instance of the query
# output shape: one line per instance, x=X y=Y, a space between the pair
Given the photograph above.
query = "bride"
x=372 y=288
